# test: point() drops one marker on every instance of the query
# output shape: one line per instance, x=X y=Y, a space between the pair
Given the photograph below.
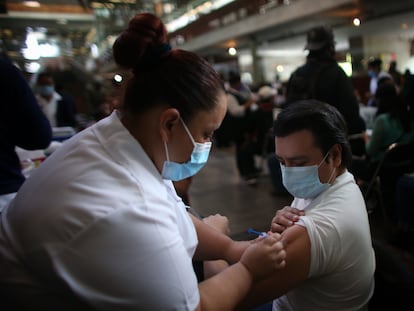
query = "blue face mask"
x=46 y=90
x=303 y=181
x=371 y=73
x=178 y=171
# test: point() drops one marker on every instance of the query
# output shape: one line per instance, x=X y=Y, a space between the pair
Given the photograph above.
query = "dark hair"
x=234 y=78
x=44 y=75
x=389 y=101
x=161 y=76
x=320 y=43
x=324 y=121
x=375 y=62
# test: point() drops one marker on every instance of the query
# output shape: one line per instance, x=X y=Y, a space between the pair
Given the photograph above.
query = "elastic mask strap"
x=188 y=132
x=166 y=152
x=333 y=172
x=324 y=158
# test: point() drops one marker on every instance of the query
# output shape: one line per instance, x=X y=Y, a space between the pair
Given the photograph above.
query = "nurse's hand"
x=285 y=218
x=218 y=222
x=264 y=255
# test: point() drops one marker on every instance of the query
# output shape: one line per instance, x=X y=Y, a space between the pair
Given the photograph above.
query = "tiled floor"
x=218 y=189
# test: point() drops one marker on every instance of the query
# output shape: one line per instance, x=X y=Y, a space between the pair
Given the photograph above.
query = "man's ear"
x=336 y=155
x=168 y=120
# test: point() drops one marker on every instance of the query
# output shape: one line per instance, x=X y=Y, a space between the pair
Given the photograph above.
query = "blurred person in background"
x=22 y=124
x=396 y=75
x=376 y=74
x=392 y=124
x=321 y=78
x=66 y=111
x=239 y=123
x=58 y=108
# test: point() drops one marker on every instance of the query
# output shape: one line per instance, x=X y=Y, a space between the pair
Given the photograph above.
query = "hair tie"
x=152 y=57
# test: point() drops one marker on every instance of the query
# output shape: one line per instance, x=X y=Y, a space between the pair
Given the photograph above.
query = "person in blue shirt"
x=22 y=124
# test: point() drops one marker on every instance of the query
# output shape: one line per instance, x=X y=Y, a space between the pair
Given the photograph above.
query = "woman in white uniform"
x=99 y=225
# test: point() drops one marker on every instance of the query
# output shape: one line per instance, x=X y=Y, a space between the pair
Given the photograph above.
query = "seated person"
x=330 y=261
x=393 y=124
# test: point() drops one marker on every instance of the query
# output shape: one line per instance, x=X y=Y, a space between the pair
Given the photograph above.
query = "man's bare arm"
x=298 y=254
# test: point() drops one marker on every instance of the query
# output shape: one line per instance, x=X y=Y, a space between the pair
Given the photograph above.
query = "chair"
x=397 y=161
x=394 y=281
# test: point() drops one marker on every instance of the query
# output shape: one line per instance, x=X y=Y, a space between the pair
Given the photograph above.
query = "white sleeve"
x=233 y=106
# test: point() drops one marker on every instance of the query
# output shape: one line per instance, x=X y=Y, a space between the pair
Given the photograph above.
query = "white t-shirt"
x=49 y=108
x=342 y=266
x=97 y=217
x=233 y=106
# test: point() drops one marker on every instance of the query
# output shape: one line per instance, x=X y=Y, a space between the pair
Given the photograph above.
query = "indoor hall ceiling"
x=290 y=34
x=79 y=22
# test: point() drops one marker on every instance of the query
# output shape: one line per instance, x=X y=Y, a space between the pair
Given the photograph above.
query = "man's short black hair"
x=324 y=121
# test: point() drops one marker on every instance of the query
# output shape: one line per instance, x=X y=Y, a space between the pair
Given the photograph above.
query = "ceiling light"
x=32 y=4
x=232 y=51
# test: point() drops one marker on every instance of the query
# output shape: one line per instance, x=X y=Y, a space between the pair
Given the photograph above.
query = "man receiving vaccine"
x=326 y=233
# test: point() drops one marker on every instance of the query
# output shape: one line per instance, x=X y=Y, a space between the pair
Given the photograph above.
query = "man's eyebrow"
x=296 y=158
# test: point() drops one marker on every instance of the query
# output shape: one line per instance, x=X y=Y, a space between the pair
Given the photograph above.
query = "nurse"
x=99 y=225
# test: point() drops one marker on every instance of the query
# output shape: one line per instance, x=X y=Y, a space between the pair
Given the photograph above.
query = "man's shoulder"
x=317 y=67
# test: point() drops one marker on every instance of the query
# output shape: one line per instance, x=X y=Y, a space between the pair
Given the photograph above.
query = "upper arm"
x=298 y=256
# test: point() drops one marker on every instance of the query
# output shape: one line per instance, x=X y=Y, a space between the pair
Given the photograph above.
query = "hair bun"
x=145 y=32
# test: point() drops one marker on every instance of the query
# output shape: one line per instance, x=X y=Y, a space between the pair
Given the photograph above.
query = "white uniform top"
x=50 y=107
x=98 y=218
x=341 y=275
x=233 y=107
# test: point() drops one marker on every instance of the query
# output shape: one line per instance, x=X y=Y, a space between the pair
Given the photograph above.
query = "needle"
x=258 y=233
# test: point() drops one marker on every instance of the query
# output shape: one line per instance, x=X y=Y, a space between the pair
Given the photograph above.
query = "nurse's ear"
x=169 y=119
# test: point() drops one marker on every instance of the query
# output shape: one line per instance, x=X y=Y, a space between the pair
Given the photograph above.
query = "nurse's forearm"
x=216 y=245
x=226 y=289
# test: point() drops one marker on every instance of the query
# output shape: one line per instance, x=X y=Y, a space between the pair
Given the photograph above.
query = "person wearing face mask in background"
x=325 y=231
x=99 y=224
x=376 y=74
x=59 y=108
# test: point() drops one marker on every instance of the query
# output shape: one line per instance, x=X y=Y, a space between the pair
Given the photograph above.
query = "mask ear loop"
x=188 y=132
x=333 y=171
x=324 y=158
x=189 y=135
x=166 y=152
x=332 y=174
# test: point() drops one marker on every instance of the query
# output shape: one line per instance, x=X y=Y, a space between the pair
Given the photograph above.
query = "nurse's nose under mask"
x=303 y=181
x=178 y=171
